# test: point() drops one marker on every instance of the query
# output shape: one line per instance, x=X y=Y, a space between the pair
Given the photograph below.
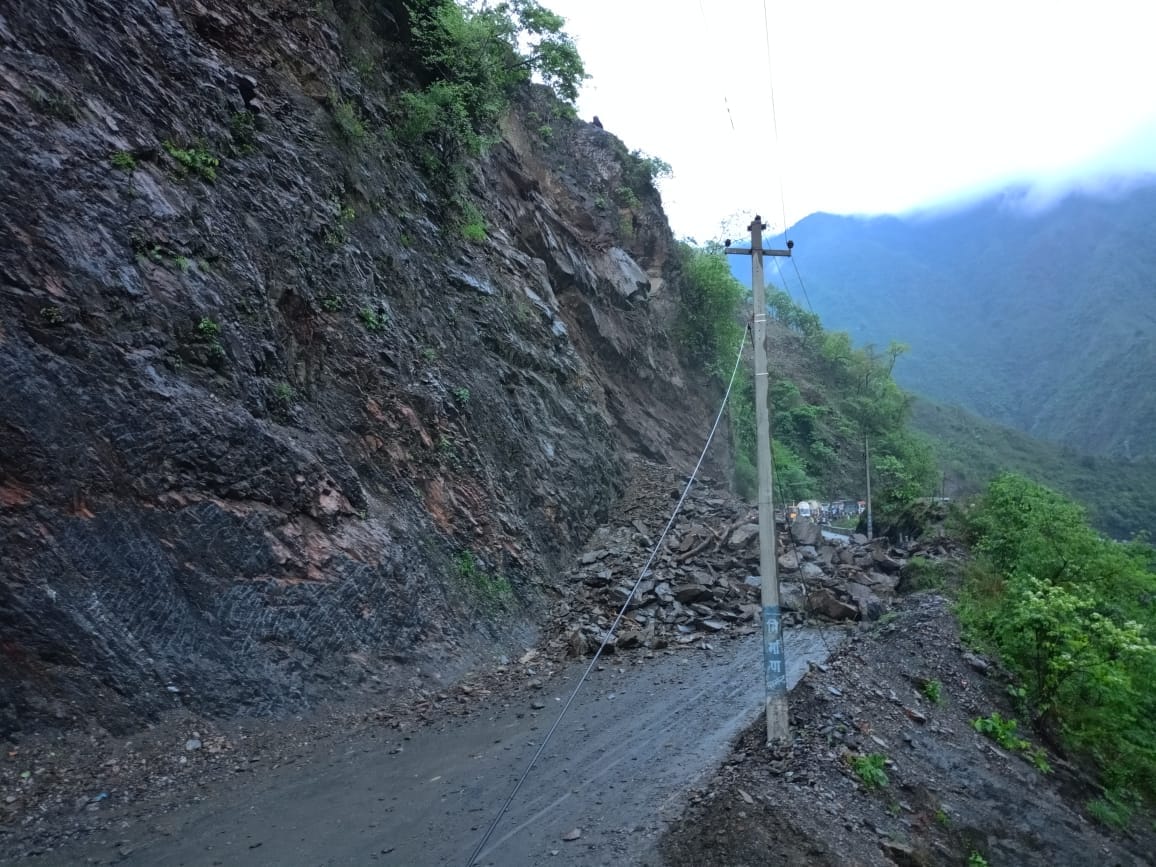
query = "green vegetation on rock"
x=195 y=159
x=476 y=56
x=869 y=770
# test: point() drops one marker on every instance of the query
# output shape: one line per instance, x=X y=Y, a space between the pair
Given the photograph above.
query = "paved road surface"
x=635 y=740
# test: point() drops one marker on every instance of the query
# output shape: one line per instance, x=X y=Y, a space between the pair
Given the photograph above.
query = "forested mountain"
x=1043 y=320
x=971 y=451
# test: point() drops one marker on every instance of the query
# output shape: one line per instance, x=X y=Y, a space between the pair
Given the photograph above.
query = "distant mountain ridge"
x=1044 y=321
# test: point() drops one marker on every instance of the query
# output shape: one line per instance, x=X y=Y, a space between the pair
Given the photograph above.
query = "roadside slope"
x=951 y=793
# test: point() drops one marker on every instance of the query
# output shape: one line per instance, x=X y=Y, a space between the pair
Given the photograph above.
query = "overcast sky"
x=882 y=106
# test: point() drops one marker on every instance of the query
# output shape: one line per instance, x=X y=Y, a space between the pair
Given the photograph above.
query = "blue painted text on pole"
x=776 y=666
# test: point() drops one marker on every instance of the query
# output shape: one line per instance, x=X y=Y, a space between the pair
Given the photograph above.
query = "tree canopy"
x=476 y=56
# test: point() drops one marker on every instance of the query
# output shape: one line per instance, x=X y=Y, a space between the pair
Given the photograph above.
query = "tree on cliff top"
x=477 y=55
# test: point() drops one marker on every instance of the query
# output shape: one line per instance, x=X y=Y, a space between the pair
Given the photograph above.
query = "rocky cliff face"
x=269 y=427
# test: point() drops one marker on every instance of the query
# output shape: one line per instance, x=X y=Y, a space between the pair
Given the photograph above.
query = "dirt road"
x=634 y=741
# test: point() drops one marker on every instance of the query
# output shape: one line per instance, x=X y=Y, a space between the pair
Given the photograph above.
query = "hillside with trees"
x=971 y=451
x=1042 y=320
x=826 y=395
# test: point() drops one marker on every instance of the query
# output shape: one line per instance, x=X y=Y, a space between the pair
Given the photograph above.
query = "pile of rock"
x=704 y=577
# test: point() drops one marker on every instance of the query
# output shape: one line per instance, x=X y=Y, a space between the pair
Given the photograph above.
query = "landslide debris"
x=704 y=580
x=947 y=795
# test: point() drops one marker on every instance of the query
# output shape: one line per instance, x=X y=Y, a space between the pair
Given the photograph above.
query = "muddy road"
x=639 y=735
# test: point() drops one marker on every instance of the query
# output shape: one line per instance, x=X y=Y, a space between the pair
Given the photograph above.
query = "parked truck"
x=809 y=509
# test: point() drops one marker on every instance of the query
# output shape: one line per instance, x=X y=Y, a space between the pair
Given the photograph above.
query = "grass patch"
x=347 y=118
x=933 y=691
x=869 y=770
x=491 y=591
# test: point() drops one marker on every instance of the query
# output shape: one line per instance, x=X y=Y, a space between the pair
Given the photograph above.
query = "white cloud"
x=882 y=105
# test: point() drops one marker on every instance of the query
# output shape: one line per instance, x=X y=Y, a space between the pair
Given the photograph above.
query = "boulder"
x=629 y=638
x=880 y=582
x=806 y=532
x=884 y=561
x=686 y=593
x=792 y=596
x=742 y=536
x=789 y=562
x=871 y=607
x=808 y=552
x=812 y=572
x=825 y=602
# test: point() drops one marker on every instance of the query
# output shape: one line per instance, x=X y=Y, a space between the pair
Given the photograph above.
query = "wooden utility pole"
x=774 y=659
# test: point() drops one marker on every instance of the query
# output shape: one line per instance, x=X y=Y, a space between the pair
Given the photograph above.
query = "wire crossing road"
x=635 y=740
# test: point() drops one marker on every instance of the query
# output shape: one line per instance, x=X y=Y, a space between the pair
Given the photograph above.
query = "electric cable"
x=774 y=115
x=621 y=613
x=726 y=102
x=801 y=283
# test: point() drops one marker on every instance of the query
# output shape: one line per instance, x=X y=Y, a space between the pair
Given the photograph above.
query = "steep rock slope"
x=269 y=427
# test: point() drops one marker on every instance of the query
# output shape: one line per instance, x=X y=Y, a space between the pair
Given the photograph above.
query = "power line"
x=774 y=115
x=799 y=274
x=621 y=613
x=726 y=102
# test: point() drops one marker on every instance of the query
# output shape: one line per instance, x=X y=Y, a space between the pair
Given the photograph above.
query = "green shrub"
x=208 y=333
x=746 y=477
x=473 y=227
x=869 y=770
x=476 y=57
x=492 y=591
x=243 y=128
x=1112 y=810
x=207 y=329
x=124 y=161
x=923 y=573
x=1067 y=612
x=347 y=117
x=1000 y=730
x=370 y=319
x=933 y=691
x=1003 y=732
x=627 y=198
x=642 y=170
x=196 y=160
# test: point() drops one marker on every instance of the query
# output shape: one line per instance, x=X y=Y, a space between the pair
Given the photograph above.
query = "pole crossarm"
x=745 y=251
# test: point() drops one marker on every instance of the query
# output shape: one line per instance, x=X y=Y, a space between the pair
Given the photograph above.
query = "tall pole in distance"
x=867 y=462
x=774 y=659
